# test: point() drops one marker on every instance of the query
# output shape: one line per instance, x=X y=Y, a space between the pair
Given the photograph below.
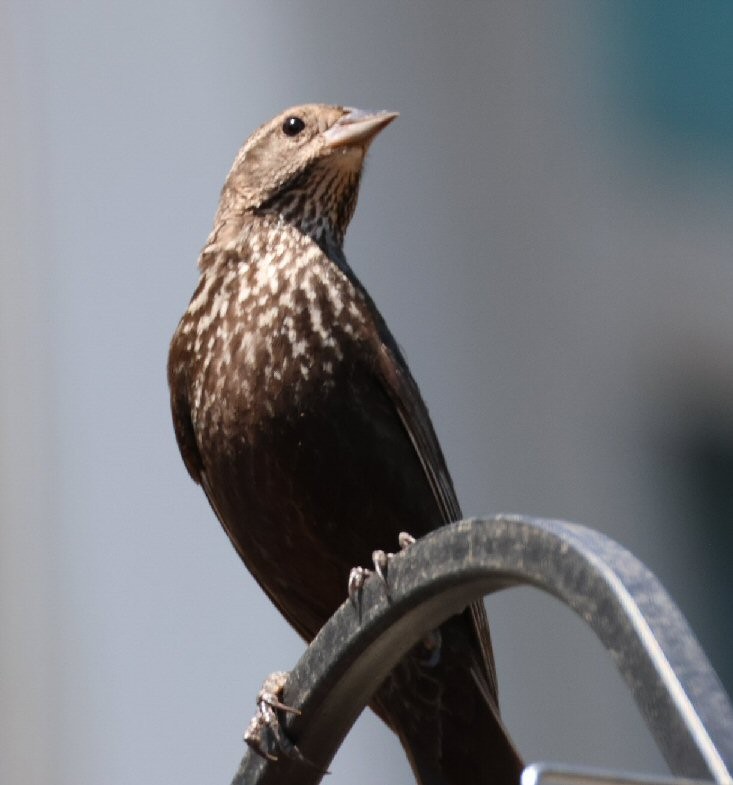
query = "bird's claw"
x=405 y=539
x=357 y=579
x=380 y=559
x=432 y=642
x=264 y=731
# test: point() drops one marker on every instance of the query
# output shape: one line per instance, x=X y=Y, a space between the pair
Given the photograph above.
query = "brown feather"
x=295 y=410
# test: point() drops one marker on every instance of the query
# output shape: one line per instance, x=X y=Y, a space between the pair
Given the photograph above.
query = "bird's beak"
x=356 y=128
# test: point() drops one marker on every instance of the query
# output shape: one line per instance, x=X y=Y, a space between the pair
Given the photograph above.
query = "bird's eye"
x=293 y=126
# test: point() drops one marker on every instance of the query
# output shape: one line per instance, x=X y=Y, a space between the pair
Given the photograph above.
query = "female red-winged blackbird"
x=295 y=410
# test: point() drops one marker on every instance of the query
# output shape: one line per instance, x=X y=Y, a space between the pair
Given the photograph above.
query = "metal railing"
x=675 y=688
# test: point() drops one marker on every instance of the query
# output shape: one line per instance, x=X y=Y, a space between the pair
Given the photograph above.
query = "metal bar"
x=554 y=774
x=677 y=692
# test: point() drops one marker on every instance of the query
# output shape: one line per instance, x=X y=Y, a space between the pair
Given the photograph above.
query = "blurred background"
x=548 y=230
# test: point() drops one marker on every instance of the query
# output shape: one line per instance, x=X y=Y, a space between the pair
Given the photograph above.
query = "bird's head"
x=305 y=166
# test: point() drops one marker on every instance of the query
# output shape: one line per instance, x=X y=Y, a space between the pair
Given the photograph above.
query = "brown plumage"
x=295 y=410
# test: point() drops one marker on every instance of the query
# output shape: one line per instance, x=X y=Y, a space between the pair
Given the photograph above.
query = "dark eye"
x=293 y=126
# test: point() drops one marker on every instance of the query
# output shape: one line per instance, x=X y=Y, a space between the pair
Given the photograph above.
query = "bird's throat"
x=320 y=201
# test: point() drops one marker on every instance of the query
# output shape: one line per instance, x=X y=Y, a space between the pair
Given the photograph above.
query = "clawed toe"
x=380 y=559
x=264 y=732
x=358 y=575
x=357 y=579
x=405 y=539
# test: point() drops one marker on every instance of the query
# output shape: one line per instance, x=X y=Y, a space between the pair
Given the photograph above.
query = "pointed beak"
x=356 y=128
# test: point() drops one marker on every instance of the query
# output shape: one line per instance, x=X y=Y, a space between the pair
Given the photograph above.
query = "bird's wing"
x=405 y=395
x=181 y=411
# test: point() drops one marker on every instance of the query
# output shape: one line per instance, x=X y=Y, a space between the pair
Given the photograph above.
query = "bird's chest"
x=277 y=332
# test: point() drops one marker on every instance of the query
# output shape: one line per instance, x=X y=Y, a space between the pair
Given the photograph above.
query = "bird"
x=294 y=409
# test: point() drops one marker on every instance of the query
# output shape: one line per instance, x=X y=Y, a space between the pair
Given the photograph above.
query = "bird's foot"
x=380 y=559
x=264 y=732
x=432 y=643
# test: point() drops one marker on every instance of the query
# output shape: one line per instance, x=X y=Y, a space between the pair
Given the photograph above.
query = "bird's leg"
x=264 y=730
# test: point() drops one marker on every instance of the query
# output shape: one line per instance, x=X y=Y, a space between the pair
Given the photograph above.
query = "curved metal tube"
x=677 y=692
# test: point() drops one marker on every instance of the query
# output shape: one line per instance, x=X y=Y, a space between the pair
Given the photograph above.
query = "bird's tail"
x=443 y=707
